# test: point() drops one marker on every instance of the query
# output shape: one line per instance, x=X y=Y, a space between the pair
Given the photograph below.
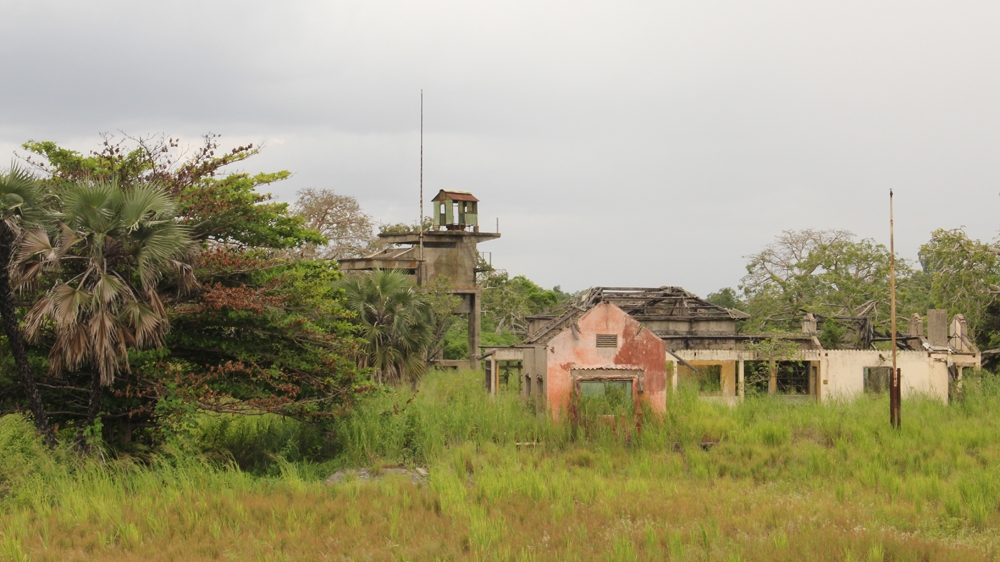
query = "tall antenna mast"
x=895 y=396
x=420 y=225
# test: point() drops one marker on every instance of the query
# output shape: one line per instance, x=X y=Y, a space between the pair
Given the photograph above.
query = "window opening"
x=709 y=379
x=606 y=397
x=756 y=377
x=793 y=377
x=877 y=379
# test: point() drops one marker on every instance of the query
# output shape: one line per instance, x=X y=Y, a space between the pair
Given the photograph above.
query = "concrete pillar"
x=937 y=327
x=475 y=328
x=740 y=379
x=915 y=327
x=809 y=324
x=495 y=375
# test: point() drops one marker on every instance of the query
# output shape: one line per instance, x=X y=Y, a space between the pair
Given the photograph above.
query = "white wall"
x=842 y=371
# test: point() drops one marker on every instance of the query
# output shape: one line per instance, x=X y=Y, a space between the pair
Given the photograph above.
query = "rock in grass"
x=417 y=475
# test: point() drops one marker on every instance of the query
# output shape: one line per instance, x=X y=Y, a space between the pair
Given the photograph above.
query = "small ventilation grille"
x=607 y=340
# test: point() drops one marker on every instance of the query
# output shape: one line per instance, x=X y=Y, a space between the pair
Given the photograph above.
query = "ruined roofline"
x=667 y=303
x=550 y=330
x=650 y=300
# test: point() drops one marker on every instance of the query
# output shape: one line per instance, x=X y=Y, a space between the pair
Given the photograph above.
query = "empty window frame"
x=606 y=397
x=877 y=379
x=709 y=379
x=790 y=378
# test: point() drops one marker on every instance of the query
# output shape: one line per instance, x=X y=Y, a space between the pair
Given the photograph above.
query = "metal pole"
x=420 y=225
x=895 y=396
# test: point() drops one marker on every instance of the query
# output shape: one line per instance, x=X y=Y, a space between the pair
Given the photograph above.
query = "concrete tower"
x=448 y=250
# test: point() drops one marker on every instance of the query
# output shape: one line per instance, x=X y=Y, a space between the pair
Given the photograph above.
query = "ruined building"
x=448 y=251
x=640 y=340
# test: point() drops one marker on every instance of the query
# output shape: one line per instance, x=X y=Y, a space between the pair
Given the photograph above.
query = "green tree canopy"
x=395 y=320
x=226 y=207
x=824 y=272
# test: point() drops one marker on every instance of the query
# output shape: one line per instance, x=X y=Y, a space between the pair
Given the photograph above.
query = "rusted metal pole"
x=895 y=396
x=420 y=224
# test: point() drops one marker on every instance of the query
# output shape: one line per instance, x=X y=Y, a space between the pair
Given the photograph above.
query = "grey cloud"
x=668 y=139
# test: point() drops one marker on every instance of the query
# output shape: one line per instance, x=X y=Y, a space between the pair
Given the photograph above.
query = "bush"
x=25 y=462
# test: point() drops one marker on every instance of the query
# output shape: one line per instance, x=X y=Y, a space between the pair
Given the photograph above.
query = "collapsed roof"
x=642 y=303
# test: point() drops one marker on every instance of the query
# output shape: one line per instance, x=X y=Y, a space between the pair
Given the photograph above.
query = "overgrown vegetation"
x=761 y=481
x=195 y=376
x=136 y=329
x=834 y=276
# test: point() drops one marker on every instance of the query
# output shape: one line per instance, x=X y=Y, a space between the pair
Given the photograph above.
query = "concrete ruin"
x=447 y=252
x=699 y=343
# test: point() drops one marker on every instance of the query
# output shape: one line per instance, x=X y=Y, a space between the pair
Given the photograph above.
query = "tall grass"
x=764 y=480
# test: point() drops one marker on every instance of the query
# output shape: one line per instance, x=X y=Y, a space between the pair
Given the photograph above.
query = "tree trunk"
x=8 y=315
x=94 y=410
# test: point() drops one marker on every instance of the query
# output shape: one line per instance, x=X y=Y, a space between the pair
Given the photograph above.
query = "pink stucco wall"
x=638 y=349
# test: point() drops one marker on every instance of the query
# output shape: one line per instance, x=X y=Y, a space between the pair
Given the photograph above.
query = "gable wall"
x=638 y=349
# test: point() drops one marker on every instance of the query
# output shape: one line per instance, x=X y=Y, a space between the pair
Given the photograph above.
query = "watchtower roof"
x=455 y=196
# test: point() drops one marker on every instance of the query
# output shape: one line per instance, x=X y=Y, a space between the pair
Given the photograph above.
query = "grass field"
x=803 y=482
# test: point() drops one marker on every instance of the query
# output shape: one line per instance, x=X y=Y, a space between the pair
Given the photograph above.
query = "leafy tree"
x=825 y=272
x=339 y=218
x=507 y=301
x=225 y=208
x=395 y=323
x=506 y=304
x=963 y=277
x=442 y=305
x=265 y=335
x=726 y=298
x=770 y=350
x=260 y=334
x=20 y=208
x=110 y=249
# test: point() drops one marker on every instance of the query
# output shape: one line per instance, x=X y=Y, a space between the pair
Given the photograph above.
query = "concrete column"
x=494 y=376
x=740 y=379
x=673 y=375
x=475 y=327
x=937 y=327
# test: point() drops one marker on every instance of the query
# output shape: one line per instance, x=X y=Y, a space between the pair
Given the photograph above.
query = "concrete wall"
x=706 y=326
x=533 y=375
x=728 y=374
x=841 y=372
x=576 y=351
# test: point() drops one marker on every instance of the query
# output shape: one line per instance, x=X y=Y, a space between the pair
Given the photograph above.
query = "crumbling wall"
x=576 y=349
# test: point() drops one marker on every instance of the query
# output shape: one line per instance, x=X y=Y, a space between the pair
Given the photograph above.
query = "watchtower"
x=448 y=250
x=456 y=210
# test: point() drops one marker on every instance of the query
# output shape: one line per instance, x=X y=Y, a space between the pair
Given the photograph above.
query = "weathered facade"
x=702 y=346
x=589 y=349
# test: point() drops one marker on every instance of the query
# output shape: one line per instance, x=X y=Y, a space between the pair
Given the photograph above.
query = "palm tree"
x=395 y=321
x=111 y=247
x=20 y=207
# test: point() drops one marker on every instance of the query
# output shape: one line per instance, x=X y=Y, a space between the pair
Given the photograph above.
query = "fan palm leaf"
x=393 y=319
x=115 y=244
x=22 y=206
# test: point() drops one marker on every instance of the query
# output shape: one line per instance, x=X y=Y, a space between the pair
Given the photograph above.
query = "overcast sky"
x=618 y=143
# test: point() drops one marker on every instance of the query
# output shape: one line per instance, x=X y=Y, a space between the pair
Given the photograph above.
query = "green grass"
x=805 y=481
